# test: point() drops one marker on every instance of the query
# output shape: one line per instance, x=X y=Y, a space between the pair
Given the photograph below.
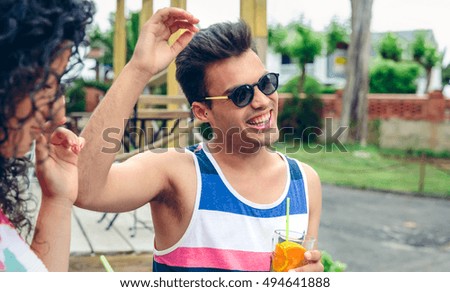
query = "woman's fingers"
x=61 y=138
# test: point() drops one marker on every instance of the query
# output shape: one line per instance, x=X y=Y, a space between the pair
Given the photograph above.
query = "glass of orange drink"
x=288 y=253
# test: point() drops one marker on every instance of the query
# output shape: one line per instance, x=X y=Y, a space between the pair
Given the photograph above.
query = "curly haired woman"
x=37 y=39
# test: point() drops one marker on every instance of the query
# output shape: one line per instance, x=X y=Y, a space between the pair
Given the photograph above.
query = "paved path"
x=367 y=230
x=131 y=232
x=375 y=231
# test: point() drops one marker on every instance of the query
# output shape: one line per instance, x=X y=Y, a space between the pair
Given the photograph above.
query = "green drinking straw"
x=288 y=201
x=106 y=264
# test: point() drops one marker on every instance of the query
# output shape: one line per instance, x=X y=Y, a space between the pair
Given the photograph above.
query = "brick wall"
x=434 y=107
x=408 y=121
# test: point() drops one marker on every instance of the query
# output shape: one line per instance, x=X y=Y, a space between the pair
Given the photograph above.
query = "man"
x=216 y=205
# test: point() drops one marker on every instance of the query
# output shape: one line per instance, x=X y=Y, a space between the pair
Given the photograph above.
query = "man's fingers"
x=311 y=267
x=168 y=13
x=182 y=25
x=171 y=20
x=313 y=255
x=182 y=42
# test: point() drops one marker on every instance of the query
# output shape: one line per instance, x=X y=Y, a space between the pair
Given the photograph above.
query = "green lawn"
x=367 y=168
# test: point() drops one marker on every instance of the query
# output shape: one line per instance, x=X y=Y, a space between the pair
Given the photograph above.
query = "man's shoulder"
x=310 y=173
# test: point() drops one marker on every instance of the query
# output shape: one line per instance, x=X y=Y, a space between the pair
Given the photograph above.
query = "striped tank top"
x=228 y=232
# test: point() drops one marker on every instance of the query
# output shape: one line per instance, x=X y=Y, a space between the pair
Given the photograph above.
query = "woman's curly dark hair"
x=31 y=35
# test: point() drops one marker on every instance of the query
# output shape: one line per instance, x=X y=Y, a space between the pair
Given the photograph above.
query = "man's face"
x=253 y=126
x=28 y=123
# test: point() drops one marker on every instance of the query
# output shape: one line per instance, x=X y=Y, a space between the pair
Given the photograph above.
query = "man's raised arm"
x=101 y=186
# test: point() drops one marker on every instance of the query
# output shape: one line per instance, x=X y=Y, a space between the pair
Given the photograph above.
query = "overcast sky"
x=387 y=15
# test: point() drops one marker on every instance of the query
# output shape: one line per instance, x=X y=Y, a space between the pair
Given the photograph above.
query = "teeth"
x=260 y=120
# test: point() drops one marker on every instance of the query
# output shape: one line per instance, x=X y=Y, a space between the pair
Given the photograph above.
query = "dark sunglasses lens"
x=268 y=83
x=242 y=95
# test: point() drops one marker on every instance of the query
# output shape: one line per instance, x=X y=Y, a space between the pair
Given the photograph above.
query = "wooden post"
x=172 y=84
x=146 y=12
x=254 y=13
x=178 y=3
x=422 y=173
x=173 y=87
x=120 y=48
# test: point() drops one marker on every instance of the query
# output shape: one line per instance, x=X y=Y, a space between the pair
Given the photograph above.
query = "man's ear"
x=200 y=111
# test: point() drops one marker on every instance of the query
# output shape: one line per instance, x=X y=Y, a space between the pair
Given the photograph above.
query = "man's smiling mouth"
x=261 y=122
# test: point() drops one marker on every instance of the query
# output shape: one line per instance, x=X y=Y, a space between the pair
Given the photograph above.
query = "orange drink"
x=289 y=253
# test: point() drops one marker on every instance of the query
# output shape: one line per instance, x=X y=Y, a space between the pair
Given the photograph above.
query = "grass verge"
x=369 y=168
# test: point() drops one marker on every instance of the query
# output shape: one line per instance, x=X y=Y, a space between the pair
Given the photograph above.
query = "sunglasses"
x=243 y=95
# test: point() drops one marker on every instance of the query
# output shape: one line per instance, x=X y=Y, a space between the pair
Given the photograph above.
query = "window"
x=285 y=59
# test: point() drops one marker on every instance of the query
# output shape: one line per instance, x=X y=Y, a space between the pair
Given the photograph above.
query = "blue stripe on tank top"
x=296 y=174
x=219 y=198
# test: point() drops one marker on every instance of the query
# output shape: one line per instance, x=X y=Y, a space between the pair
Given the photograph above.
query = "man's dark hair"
x=217 y=42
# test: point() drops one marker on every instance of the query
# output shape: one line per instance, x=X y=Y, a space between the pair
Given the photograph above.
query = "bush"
x=96 y=84
x=331 y=266
x=300 y=118
x=75 y=98
x=76 y=95
x=328 y=89
x=390 y=48
x=387 y=76
x=311 y=86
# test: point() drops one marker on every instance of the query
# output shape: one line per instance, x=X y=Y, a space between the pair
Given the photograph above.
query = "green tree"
x=105 y=40
x=336 y=33
x=390 y=48
x=355 y=104
x=388 y=76
x=299 y=42
x=132 y=33
x=426 y=55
